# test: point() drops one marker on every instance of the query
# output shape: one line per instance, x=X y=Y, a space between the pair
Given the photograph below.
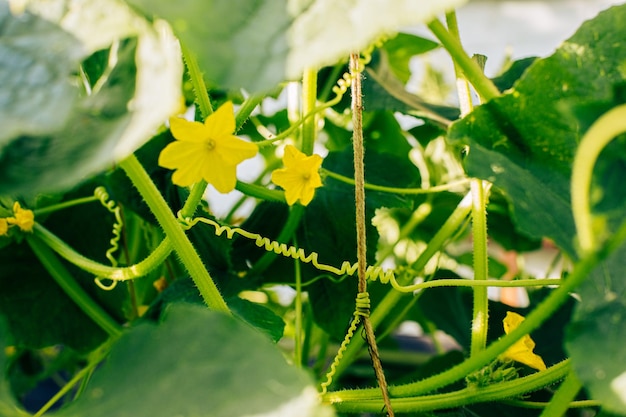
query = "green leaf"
x=384 y=91
x=37 y=60
x=93 y=126
x=238 y=43
x=523 y=143
x=196 y=363
x=402 y=48
x=258 y=316
x=597 y=334
x=38 y=313
x=256 y=45
x=325 y=31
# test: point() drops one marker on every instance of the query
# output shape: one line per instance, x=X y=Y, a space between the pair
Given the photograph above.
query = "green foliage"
x=171 y=385
x=523 y=143
x=87 y=91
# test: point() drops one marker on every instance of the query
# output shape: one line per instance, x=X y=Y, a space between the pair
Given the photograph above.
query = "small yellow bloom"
x=23 y=218
x=300 y=177
x=522 y=350
x=4 y=227
x=206 y=151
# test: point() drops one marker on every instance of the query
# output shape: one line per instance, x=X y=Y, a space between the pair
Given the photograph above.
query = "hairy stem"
x=603 y=131
x=181 y=243
x=472 y=71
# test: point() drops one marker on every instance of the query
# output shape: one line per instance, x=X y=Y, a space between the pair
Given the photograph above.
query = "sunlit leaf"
x=524 y=143
x=196 y=363
x=78 y=131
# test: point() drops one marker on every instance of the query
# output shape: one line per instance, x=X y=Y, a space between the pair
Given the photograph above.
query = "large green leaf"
x=256 y=45
x=37 y=92
x=38 y=313
x=196 y=363
x=59 y=133
x=524 y=143
x=597 y=335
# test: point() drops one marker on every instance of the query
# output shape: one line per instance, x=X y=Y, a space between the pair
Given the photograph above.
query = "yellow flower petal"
x=207 y=150
x=522 y=350
x=4 y=227
x=186 y=131
x=234 y=150
x=300 y=177
x=222 y=121
x=23 y=218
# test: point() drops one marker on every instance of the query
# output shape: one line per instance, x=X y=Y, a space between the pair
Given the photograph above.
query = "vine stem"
x=466 y=396
x=603 y=131
x=359 y=194
x=104 y=271
x=472 y=71
x=449 y=228
x=479 y=190
x=180 y=242
x=532 y=322
x=480 y=320
x=309 y=99
x=561 y=400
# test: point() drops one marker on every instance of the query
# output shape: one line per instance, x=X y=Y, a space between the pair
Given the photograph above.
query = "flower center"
x=306 y=176
x=210 y=144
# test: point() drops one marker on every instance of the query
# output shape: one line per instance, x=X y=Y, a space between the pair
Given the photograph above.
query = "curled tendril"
x=362 y=310
x=112 y=207
x=373 y=273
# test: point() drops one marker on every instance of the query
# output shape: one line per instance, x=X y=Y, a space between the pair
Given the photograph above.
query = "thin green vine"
x=560 y=402
x=603 y=131
x=508 y=389
x=483 y=85
x=532 y=321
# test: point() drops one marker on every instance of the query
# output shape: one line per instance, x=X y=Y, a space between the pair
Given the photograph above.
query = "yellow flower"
x=522 y=350
x=300 y=177
x=206 y=151
x=23 y=218
x=4 y=227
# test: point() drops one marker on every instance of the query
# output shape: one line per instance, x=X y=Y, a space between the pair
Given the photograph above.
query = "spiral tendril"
x=362 y=310
x=104 y=198
x=373 y=273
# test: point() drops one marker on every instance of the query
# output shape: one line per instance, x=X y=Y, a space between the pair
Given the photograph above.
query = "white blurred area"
x=522 y=28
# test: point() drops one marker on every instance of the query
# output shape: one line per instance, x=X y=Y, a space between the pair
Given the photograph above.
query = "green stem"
x=390 y=300
x=561 y=400
x=480 y=320
x=246 y=109
x=462 y=86
x=74 y=291
x=603 y=131
x=64 y=205
x=257 y=191
x=181 y=243
x=519 y=283
x=494 y=392
x=195 y=195
x=94 y=361
x=396 y=190
x=298 y=312
x=140 y=269
x=472 y=71
x=532 y=322
x=309 y=99
x=197 y=81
